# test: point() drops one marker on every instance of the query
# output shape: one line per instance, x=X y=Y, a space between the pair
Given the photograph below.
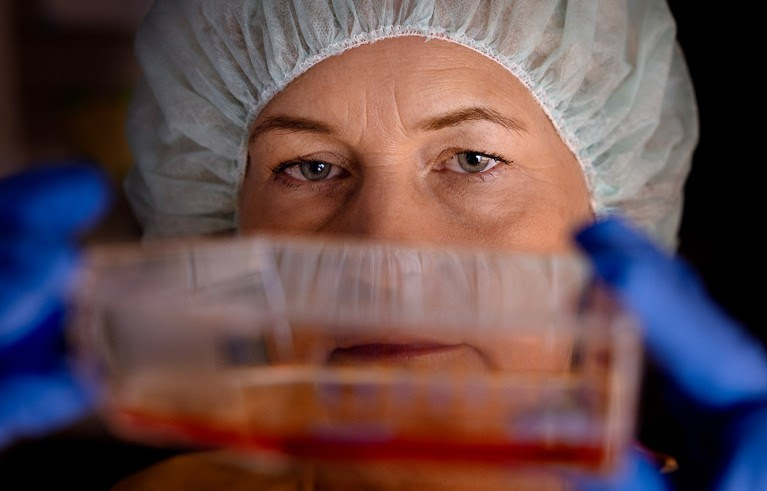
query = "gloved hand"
x=41 y=213
x=717 y=373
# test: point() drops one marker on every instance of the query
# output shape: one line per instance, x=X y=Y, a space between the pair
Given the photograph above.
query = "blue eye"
x=315 y=171
x=472 y=162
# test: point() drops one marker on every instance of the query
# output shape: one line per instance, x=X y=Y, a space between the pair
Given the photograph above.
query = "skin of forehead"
x=394 y=94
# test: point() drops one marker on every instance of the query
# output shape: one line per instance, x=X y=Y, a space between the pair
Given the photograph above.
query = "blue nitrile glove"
x=41 y=213
x=717 y=373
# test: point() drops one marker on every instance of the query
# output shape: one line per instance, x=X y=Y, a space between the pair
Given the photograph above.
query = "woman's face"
x=413 y=141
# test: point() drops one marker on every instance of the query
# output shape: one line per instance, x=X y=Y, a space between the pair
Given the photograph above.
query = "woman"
x=494 y=124
x=497 y=124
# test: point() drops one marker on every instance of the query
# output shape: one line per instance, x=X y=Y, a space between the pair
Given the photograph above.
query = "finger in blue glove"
x=41 y=213
x=55 y=201
x=704 y=351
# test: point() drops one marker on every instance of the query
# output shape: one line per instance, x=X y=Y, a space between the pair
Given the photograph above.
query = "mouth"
x=388 y=351
x=414 y=354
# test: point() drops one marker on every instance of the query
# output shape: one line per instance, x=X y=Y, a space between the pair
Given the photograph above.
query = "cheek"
x=267 y=206
x=522 y=211
x=543 y=351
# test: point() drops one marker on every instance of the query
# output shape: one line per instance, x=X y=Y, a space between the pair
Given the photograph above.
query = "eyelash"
x=491 y=155
x=279 y=168
x=278 y=171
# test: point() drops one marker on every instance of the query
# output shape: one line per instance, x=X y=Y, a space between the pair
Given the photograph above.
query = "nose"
x=389 y=208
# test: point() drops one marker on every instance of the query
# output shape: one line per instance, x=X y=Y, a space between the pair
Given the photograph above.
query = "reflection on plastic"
x=359 y=351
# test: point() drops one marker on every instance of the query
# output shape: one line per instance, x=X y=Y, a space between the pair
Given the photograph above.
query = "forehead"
x=411 y=77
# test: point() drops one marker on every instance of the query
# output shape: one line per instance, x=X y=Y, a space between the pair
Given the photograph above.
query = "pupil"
x=473 y=159
x=316 y=167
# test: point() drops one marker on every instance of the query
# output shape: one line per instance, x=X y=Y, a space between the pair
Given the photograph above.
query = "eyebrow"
x=290 y=124
x=453 y=118
x=465 y=115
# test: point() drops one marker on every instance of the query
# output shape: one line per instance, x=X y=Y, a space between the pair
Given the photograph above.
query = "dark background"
x=722 y=219
x=68 y=83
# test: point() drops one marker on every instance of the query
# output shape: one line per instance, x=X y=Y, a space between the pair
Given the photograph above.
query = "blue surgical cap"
x=608 y=73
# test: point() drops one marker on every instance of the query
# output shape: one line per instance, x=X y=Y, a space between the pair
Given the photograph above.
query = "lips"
x=373 y=352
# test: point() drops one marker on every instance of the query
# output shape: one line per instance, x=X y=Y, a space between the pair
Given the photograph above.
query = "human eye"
x=308 y=170
x=472 y=162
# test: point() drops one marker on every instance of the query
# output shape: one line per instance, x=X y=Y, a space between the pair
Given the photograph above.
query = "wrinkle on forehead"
x=405 y=79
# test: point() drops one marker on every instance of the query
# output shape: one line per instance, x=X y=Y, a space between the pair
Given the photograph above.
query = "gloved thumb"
x=706 y=353
x=55 y=201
